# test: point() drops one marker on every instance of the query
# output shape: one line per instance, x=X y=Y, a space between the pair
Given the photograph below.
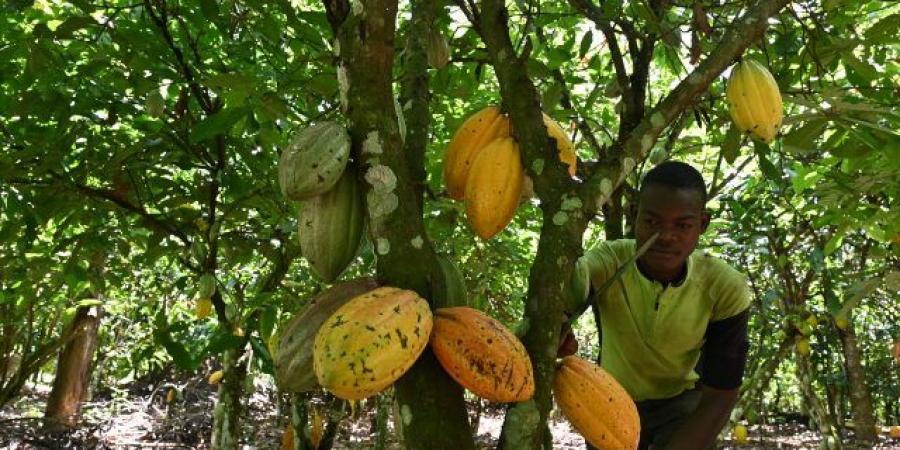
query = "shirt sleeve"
x=724 y=353
x=729 y=290
x=601 y=262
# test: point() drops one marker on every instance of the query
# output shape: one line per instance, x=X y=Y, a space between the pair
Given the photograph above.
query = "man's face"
x=679 y=217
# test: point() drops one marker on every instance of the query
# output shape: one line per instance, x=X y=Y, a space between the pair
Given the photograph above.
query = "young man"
x=668 y=307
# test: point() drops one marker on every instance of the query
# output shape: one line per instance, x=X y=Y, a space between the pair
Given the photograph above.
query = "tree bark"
x=73 y=369
x=227 y=413
x=819 y=413
x=860 y=397
x=759 y=381
x=432 y=410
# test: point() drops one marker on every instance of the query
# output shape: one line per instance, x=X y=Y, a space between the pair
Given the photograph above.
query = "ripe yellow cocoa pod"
x=203 y=308
x=317 y=427
x=803 y=346
x=563 y=144
x=596 y=405
x=754 y=100
x=287 y=439
x=482 y=355
x=216 y=377
x=841 y=322
x=494 y=187
x=740 y=434
x=371 y=341
x=170 y=396
x=470 y=138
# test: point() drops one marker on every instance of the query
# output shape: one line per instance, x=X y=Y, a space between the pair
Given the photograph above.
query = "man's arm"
x=700 y=429
x=724 y=357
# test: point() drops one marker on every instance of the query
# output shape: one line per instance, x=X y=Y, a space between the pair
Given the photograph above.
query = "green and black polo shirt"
x=653 y=335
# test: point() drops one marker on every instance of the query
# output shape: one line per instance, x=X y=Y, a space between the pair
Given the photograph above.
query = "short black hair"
x=676 y=174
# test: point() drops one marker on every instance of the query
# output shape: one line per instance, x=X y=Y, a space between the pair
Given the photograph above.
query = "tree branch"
x=414 y=93
x=744 y=31
x=595 y=14
x=160 y=21
x=153 y=221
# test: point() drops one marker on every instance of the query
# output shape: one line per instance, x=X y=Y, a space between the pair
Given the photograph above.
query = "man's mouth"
x=663 y=252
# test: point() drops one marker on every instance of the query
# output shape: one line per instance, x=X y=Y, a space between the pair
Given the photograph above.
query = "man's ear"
x=704 y=219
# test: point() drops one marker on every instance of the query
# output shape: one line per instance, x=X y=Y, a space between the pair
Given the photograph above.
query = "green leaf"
x=863 y=70
x=222 y=341
x=765 y=165
x=731 y=147
x=551 y=97
x=802 y=140
x=175 y=349
x=210 y=9
x=884 y=31
x=218 y=123
x=66 y=29
x=585 y=44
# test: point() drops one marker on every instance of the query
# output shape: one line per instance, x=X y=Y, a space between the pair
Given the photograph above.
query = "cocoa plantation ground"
x=138 y=417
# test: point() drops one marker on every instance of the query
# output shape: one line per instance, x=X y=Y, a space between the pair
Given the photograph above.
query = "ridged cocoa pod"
x=482 y=355
x=331 y=227
x=313 y=161
x=294 y=355
x=371 y=341
x=494 y=187
x=754 y=100
x=596 y=405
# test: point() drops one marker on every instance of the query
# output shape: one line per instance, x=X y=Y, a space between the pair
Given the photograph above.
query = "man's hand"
x=700 y=429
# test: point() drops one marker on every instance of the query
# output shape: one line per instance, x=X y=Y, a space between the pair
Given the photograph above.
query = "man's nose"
x=666 y=234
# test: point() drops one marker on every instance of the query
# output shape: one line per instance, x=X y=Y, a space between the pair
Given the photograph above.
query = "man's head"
x=672 y=202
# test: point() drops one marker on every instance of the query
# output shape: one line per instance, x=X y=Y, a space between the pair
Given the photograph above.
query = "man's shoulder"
x=613 y=251
x=715 y=270
x=726 y=286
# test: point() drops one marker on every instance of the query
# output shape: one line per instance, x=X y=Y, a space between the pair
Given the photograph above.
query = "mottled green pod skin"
x=313 y=161
x=482 y=355
x=450 y=290
x=294 y=356
x=371 y=341
x=331 y=228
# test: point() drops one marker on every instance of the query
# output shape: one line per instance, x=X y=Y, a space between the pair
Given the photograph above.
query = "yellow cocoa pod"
x=841 y=322
x=317 y=427
x=803 y=346
x=203 y=308
x=563 y=144
x=895 y=432
x=216 y=377
x=740 y=434
x=472 y=136
x=494 y=187
x=482 y=355
x=287 y=439
x=596 y=405
x=754 y=101
x=371 y=341
x=170 y=396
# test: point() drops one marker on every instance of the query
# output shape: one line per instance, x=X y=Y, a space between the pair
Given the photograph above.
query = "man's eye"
x=684 y=226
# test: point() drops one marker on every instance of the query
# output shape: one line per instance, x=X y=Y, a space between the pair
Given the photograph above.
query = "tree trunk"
x=820 y=416
x=299 y=420
x=432 y=410
x=73 y=369
x=860 y=398
x=226 y=434
x=760 y=379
